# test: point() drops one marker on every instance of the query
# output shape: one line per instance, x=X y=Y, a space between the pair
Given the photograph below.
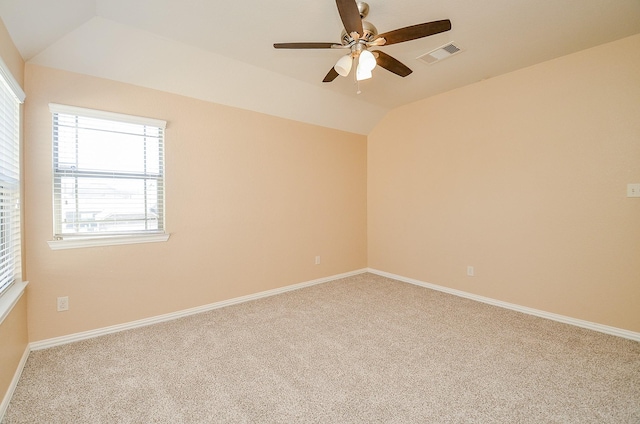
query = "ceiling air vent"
x=440 y=53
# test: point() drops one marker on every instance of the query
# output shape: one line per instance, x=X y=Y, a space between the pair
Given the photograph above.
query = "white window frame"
x=11 y=283
x=70 y=241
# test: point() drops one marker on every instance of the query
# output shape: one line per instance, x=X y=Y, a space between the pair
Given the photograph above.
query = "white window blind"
x=108 y=173
x=10 y=259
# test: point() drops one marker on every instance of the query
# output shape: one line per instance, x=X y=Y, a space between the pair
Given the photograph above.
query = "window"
x=108 y=175
x=11 y=96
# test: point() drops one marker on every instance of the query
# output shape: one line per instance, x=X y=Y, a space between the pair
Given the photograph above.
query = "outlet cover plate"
x=633 y=190
x=63 y=303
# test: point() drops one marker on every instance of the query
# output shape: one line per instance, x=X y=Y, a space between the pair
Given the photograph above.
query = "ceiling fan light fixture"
x=363 y=73
x=367 y=60
x=343 y=65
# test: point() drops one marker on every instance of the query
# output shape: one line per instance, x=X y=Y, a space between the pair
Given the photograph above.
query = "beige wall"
x=524 y=177
x=13 y=343
x=251 y=200
x=10 y=55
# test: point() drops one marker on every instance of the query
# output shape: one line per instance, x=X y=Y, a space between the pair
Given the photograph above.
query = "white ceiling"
x=223 y=51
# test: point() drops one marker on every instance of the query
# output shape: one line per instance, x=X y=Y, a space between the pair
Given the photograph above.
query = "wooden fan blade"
x=416 y=31
x=330 y=76
x=350 y=15
x=304 y=45
x=391 y=64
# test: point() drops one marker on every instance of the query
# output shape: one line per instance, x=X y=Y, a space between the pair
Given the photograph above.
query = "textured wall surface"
x=251 y=200
x=523 y=177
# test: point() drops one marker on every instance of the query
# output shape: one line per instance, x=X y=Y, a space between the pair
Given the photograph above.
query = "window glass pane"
x=8 y=198
x=96 y=150
x=107 y=176
x=108 y=205
x=10 y=269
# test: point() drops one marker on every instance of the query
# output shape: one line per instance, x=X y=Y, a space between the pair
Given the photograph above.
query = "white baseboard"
x=614 y=331
x=14 y=382
x=57 y=341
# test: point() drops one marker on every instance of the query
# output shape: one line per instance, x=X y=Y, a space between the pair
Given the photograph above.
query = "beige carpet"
x=364 y=349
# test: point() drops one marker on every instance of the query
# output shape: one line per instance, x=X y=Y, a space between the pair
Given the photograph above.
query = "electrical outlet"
x=63 y=303
x=633 y=190
x=317 y=260
x=470 y=271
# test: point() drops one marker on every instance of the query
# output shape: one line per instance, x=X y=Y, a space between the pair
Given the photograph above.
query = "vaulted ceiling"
x=222 y=51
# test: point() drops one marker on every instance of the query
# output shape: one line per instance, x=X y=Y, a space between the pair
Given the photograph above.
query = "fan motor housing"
x=370 y=33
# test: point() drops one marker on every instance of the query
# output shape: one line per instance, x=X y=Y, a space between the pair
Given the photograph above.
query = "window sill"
x=78 y=243
x=9 y=299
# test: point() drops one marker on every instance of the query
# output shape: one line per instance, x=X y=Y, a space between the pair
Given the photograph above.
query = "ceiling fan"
x=359 y=36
